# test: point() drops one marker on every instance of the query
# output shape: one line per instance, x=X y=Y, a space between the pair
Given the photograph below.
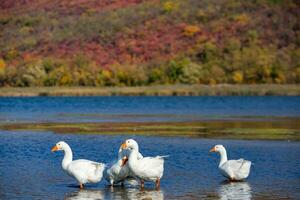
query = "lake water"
x=29 y=170
x=101 y=109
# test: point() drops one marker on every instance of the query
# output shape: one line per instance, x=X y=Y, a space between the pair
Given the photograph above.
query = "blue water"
x=29 y=170
x=101 y=109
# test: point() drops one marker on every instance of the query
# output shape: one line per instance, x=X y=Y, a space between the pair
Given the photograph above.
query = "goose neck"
x=68 y=157
x=223 y=156
x=133 y=157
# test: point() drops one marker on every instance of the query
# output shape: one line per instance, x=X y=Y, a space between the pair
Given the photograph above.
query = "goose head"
x=130 y=144
x=217 y=148
x=60 y=146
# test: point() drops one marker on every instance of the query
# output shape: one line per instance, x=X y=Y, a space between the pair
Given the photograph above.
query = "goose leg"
x=81 y=186
x=111 y=183
x=142 y=184
x=112 y=189
x=157 y=183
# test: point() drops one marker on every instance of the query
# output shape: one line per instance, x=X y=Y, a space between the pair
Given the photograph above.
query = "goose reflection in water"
x=136 y=194
x=116 y=193
x=85 y=194
x=235 y=191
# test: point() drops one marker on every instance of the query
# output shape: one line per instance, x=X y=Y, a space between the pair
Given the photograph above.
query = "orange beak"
x=54 y=148
x=124 y=146
x=213 y=150
x=124 y=161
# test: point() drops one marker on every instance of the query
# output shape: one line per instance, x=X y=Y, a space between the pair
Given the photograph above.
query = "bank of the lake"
x=158 y=90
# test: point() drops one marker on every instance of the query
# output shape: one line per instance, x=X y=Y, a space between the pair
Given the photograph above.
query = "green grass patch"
x=286 y=129
x=263 y=133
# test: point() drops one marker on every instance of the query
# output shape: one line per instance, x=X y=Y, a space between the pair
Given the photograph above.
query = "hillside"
x=145 y=42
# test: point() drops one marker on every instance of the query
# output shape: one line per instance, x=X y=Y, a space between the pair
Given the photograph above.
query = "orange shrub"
x=2 y=66
x=191 y=30
x=169 y=6
x=242 y=19
x=237 y=77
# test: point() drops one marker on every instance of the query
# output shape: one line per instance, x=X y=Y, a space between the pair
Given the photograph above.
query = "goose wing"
x=239 y=164
x=86 y=170
x=240 y=167
x=151 y=167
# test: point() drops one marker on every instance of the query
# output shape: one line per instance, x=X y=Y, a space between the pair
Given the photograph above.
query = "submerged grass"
x=286 y=129
x=157 y=90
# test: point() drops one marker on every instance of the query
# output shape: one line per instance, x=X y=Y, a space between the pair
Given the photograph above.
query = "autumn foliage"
x=145 y=42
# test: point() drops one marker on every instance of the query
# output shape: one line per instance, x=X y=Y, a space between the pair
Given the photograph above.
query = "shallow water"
x=29 y=170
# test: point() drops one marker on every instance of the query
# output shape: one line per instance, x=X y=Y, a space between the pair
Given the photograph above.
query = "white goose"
x=119 y=171
x=146 y=168
x=234 y=170
x=84 y=171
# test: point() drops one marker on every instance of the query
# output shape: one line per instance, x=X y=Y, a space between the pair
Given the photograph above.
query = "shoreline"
x=157 y=90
